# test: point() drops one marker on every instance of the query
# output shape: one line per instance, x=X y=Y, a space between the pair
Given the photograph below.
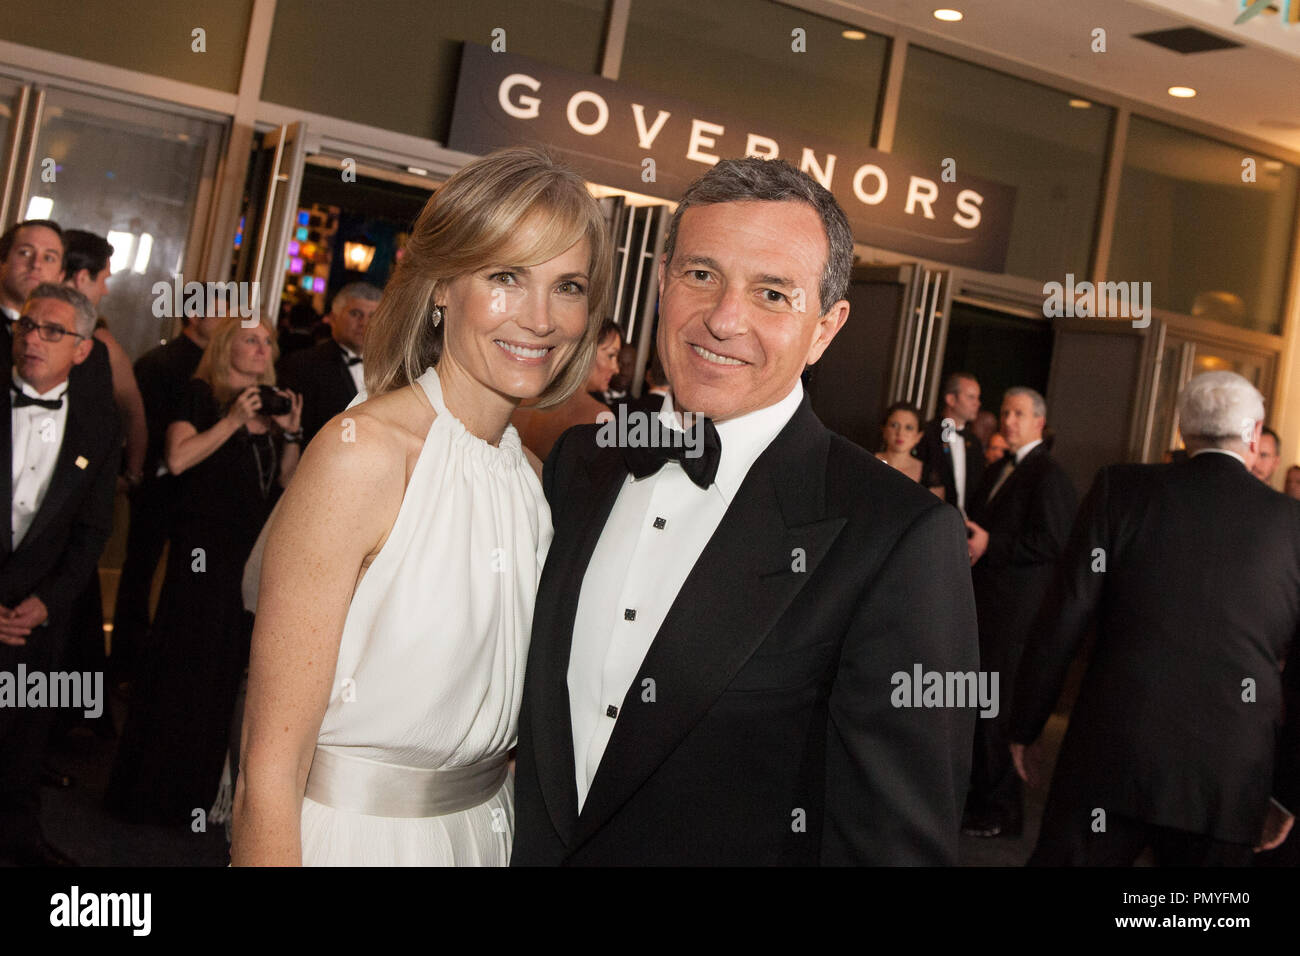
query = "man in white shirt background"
x=709 y=680
x=63 y=445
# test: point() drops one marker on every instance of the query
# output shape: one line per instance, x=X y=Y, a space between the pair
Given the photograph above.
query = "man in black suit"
x=949 y=445
x=31 y=252
x=64 y=445
x=1018 y=527
x=1192 y=572
x=162 y=374
x=719 y=639
x=330 y=374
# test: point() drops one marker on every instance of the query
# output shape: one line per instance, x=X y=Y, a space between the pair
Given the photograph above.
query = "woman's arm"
x=126 y=393
x=290 y=422
x=187 y=446
x=336 y=513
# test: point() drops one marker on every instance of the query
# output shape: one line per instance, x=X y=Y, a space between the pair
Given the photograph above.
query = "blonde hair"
x=477 y=219
x=214 y=367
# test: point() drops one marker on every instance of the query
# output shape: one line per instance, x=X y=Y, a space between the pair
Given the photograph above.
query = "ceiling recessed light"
x=417 y=170
x=1273 y=165
x=1079 y=104
x=949 y=16
x=853 y=35
x=1182 y=92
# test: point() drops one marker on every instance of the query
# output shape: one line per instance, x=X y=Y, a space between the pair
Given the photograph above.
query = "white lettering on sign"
x=764 y=147
x=602 y=112
x=916 y=194
x=810 y=166
x=698 y=139
x=870 y=182
x=645 y=137
x=968 y=209
x=870 y=169
x=527 y=108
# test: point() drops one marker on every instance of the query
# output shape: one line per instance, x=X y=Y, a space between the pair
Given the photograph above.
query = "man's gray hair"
x=65 y=293
x=356 y=290
x=1040 y=404
x=774 y=180
x=1219 y=408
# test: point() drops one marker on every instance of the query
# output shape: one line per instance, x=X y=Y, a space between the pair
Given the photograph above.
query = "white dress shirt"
x=357 y=371
x=37 y=436
x=655 y=533
x=1217 y=451
x=957 y=443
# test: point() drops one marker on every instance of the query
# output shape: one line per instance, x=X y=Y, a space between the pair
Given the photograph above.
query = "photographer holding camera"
x=234 y=446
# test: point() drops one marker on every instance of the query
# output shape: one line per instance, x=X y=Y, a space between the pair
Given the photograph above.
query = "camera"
x=273 y=403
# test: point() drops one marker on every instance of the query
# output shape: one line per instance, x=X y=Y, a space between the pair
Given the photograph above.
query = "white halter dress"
x=410 y=760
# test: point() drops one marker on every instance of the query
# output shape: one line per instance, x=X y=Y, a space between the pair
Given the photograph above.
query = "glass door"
x=136 y=175
x=269 y=216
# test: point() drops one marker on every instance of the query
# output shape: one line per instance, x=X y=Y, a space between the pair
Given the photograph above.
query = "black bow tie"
x=1009 y=458
x=354 y=360
x=701 y=465
x=22 y=399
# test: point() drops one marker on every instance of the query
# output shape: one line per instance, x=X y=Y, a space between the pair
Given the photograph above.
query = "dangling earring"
x=437 y=315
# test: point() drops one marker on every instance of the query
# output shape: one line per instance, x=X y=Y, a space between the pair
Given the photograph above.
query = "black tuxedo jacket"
x=59 y=553
x=321 y=375
x=1200 y=592
x=937 y=456
x=772 y=738
x=1028 y=522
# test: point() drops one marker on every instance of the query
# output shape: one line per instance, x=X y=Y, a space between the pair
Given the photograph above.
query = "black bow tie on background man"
x=643 y=460
x=353 y=360
x=22 y=399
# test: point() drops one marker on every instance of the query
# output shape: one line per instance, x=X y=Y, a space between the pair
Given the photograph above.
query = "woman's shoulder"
x=377 y=433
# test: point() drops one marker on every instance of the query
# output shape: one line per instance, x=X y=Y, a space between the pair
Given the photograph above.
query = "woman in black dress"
x=232 y=462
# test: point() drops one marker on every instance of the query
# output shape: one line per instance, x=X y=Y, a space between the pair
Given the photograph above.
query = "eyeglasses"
x=48 y=332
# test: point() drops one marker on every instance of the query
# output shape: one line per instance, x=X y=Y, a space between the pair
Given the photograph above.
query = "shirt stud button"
x=629 y=614
x=611 y=711
x=660 y=523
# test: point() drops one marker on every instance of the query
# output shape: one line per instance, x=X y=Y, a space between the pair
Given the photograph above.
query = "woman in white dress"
x=399 y=576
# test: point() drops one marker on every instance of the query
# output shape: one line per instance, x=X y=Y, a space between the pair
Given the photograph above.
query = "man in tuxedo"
x=330 y=374
x=31 y=252
x=1018 y=527
x=1192 y=573
x=717 y=633
x=162 y=374
x=949 y=444
x=64 y=445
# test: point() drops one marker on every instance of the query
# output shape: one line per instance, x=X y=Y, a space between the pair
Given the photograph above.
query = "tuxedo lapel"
x=79 y=445
x=598 y=480
x=6 y=481
x=348 y=386
x=769 y=543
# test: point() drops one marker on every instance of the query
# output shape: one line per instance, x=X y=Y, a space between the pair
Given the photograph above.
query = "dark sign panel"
x=658 y=145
